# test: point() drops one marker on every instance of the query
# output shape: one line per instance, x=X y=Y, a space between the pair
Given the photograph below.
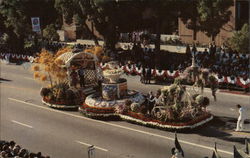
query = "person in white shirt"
x=241 y=118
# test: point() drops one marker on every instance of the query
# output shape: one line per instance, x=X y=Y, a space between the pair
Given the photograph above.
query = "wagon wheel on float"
x=195 y=88
x=160 y=109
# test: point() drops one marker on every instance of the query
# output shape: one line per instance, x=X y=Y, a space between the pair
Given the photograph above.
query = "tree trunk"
x=194 y=30
x=158 y=37
x=91 y=33
x=194 y=34
x=213 y=38
x=20 y=47
x=109 y=45
x=87 y=28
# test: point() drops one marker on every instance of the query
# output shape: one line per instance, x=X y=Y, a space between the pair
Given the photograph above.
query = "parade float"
x=54 y=70
x=109 y=96
x=176 y=108
x=113 y=97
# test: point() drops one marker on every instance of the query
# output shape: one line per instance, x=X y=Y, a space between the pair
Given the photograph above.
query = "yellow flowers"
x=59 y=62
x=43 y=77
x=97 y=50
x=35 y=68
x=62 y=51
x=49 y=67
x=36 y=75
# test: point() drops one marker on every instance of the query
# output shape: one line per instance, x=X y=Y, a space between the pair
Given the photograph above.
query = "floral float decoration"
x=113 y=97
x=177 y=109
x=56 y=92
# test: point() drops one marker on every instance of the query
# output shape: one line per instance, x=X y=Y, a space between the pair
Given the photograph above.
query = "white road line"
x=22 y=124
x=86 y=144
x=119 y=126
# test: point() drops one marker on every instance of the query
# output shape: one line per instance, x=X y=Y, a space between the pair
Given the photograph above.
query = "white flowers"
x=156 y=124
x=112 y=72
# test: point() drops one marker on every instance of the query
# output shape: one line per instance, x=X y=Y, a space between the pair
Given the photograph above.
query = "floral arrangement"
x=61 y=94
x=48 y=68
x=135 y=107
x=112 y=72
x=179 y=110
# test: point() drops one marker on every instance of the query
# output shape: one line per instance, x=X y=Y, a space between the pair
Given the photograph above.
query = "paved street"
x=67 y=134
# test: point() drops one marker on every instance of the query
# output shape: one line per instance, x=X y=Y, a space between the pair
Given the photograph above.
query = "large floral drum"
x=113 y=91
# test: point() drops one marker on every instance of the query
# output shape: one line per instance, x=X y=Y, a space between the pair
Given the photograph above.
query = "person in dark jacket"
x=148 y=76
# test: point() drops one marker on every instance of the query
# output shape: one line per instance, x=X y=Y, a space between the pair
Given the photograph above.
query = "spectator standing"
x=188 y=52
x=148 y=75
x=143 y=75
x=194 y=49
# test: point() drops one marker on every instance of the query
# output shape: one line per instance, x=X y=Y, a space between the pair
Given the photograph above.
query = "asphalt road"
x=67 y=134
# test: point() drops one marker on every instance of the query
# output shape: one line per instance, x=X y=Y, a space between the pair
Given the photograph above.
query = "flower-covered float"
x=199 y=77
x=63 y=86
x=112 y=97
x=176 y=108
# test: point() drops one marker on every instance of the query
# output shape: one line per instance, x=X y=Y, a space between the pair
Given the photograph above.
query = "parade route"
x=67 y=134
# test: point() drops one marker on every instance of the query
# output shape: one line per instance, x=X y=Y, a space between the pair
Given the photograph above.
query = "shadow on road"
x=221 y=128
x=2 y=79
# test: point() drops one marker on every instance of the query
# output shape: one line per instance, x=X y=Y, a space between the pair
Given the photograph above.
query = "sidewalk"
x=170 y=48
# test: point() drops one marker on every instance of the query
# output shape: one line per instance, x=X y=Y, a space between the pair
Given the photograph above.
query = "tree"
x=164 y=11
x=15 y=22
x=50 y=33
x=16 y=15
x=213 y=15
x=114 y=16
x=190 y=16
x=77 y=11
x=240 y=40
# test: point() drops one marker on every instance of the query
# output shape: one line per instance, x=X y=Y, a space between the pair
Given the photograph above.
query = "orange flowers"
x=49 y=67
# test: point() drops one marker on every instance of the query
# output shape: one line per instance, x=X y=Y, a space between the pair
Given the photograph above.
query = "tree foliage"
x=16 y=16
x=206 y=15
x=50 y=33
x=213 y=15
x=190 y=16
x=240 y=40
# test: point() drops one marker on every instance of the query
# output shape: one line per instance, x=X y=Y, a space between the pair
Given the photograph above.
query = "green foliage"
x=15 y=17
x=190 y=16
x=205 y=15
x=240 y=40
x=50 y=33
x=213 y=15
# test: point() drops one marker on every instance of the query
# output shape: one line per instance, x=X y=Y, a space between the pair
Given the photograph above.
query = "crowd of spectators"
x=216 y=59
x=12 y=150
x=222 y=62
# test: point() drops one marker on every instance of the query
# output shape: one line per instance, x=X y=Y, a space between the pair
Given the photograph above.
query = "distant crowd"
x=216 y=59
x=12 y=150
